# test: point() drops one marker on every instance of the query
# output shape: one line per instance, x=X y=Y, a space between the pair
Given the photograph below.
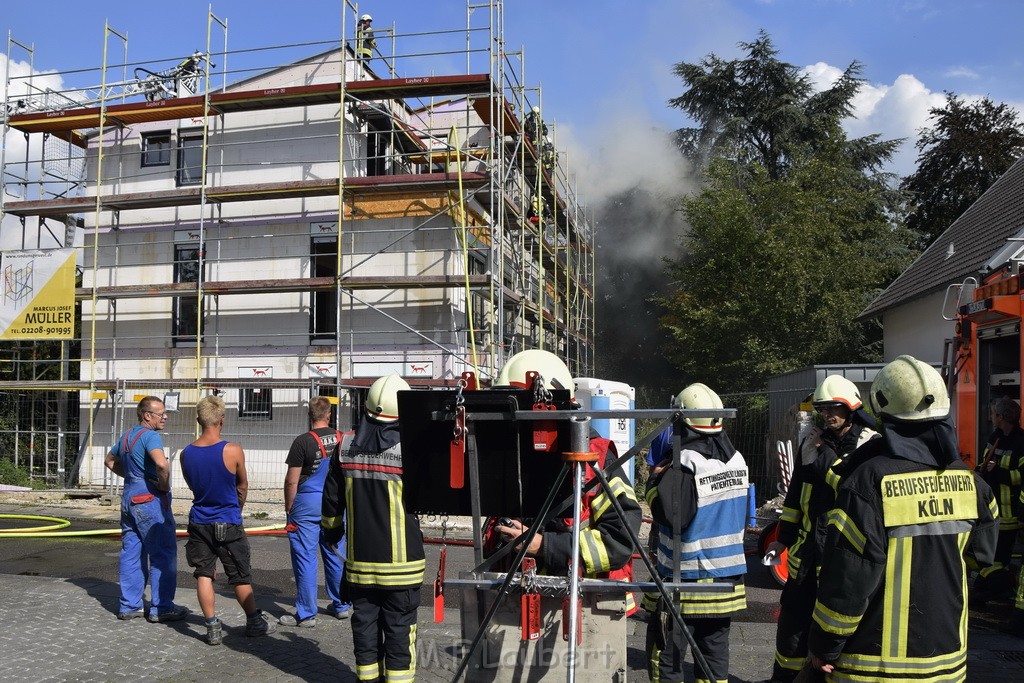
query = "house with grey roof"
x=911 y=308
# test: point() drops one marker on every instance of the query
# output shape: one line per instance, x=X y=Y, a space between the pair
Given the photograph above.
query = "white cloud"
x=15 y=149
x=898 y=110
x=962 y=72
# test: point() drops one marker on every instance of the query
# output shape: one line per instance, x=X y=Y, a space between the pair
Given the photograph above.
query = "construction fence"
x=46 y=431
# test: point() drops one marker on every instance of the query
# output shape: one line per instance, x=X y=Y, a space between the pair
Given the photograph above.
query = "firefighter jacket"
x=892 y=596
x=812 y=492
x=362 y=500
x=1007 y=450
x=365 y=42
x=605 y=546
x=709 y=490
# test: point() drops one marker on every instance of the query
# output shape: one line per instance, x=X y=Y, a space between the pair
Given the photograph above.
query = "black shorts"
x=204 y=548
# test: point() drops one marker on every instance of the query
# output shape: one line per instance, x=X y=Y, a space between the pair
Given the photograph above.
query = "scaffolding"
x=304 y=216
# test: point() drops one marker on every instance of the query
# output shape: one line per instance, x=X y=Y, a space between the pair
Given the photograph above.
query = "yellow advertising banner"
x=38 y=294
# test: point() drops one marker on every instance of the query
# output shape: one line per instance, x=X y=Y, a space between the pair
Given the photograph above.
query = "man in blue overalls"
x=148 y=546
x=307 y=462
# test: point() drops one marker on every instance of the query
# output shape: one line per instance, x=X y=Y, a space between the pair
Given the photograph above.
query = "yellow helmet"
x=700 y=396
x=837 y=390
x=549 y=366
x=909 y=390
x=382 y=400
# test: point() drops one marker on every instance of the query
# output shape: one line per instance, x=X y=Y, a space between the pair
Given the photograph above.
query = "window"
x=255 y=403
x=377 y=149
x=190 y=158
x=186 y=269
x=156 y=148
x=323 y=311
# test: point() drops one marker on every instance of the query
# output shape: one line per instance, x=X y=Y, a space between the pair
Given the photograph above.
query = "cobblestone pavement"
x=65 y=630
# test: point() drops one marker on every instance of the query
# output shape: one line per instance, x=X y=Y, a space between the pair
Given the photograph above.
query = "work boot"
x=128 y=616
x=259 y=624
x=293 y=620
x=343 y=612
x=176 y=613
x=214 y=632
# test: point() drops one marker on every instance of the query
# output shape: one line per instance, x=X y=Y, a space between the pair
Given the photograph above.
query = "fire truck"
x=983 y=359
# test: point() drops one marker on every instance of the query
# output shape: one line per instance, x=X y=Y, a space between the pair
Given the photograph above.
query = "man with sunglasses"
x=148 y=546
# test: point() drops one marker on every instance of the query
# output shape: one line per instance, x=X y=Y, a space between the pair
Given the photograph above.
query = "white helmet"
x=700 y=396
x=366 y=17
x=909 y=390
x=535 y=110
x=382 y=400
x=837 y=390
x=549 y=366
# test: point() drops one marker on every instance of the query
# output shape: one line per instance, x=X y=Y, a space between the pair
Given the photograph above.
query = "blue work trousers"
x=149 y=551
x=304 y=544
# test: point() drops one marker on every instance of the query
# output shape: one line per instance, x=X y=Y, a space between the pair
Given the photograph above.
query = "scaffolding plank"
x=284 y=285
x=247 y=100
x=482 y=106
x=355 y=188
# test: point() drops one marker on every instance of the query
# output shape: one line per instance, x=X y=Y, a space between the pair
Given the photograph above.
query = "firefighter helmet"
x=535 y=110
x=382 y=400
x=366 y=17
x=837 y=390
x=549 y=366
x=700 y=396
x=909 y=390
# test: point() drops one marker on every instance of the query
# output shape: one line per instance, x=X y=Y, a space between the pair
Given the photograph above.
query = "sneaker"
x=214 y=632
x=128 y=616
x=259 y=624
x=343 y=612
x=293 y=620
x=176 y=613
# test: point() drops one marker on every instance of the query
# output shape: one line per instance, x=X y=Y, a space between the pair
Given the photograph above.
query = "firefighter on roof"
x=534 y=126
x=709 y=489
x=892 y=596
x=384 y=560
x=605 y=546
x=365 y=42
x=811 y=495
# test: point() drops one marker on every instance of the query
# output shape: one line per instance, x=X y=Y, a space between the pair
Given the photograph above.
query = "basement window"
x=255 y=403
x=156 y=148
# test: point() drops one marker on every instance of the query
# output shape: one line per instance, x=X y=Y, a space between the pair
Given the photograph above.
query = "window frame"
x=163 y=153
x=183 y=310
x=256 y=403
x=183 y=174
x=323 y=262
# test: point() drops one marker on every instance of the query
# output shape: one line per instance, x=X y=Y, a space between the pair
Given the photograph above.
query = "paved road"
x=59 y=597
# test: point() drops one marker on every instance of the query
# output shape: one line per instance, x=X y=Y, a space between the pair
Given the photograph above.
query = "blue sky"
x=605 y=67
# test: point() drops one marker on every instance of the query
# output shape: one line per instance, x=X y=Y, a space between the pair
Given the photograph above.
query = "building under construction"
x=346 y=209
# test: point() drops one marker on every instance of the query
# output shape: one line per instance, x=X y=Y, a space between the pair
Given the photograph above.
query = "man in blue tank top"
x=215 y=471
x=148 y=545
x=308 y=461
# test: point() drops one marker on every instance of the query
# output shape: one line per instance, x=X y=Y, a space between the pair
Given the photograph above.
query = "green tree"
x=759 y=109
x=794 y=232
x=969 y=146
x=777 y=269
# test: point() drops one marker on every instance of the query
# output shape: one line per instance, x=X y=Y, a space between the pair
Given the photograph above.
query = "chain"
x=541 y=394
x=459 y=398
x=459 y=426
